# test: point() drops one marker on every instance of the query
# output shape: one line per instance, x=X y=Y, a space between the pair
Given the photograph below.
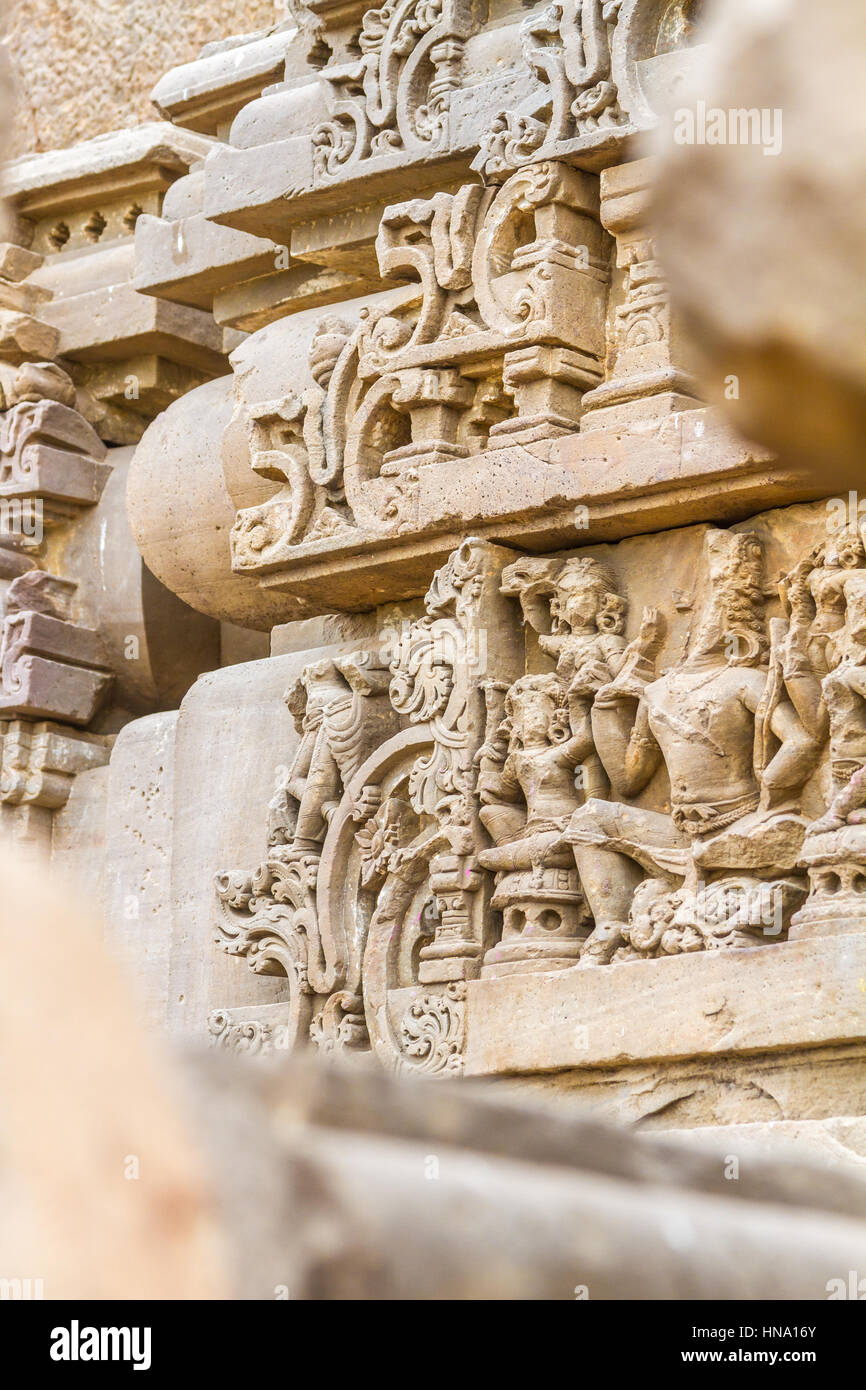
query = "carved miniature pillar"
x=540 y=272
x=836 y=906
x=434 y=398
x=647 y=379
x=544 y=921
x=548 y=385
x=471 y=633
x=52 y=464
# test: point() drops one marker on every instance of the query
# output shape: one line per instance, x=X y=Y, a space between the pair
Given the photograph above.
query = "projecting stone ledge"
x=761 y=1035
x=582 y=489
x=78 y=209
x=625 y=1013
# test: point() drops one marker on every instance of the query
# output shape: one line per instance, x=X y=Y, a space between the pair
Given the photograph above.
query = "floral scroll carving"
x=396 y=95
x=568 y=48
x=495 y=340
x=432 y=1032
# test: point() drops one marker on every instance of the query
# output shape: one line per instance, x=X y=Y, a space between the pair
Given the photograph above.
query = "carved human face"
x=534 y=713
x=577 y=601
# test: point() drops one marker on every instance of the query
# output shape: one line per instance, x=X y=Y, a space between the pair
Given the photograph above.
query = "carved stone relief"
x=557 y=776
x=591 y=726
x=394 y=95
x=493 y=342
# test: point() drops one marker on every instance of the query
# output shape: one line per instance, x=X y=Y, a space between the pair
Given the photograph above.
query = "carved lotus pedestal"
x=544 y=922
x=836 y=864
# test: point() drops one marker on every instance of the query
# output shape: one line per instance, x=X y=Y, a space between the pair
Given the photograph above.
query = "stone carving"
x=271 y=916
x=48 y=452
x=479 y=819
x=712 y=720
x=287 y=444
x=395 y=95
x=648 y=378
x=256 y=1032
x=495 y=341
x=461 y=412
x=50 y=667
x=824 y=663
x=542 y=756
x=52 y=462
x=567 y=46
x=342 y=716
x=450 y=422
x=431 y=1033
x=52 y=465
x=39 y=761
x=375 y=824
x=436 y=680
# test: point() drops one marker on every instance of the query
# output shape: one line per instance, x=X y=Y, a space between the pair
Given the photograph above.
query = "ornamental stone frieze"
x=319 y=127
x=432 y=311
x=568 y=771
x=524 y=341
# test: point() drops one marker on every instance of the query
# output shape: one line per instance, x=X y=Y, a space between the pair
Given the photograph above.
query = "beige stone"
x=481 y=699
x=138 y=809
x=796 y=360
x=52 y=60
x=79 y=1220
x=185 y=545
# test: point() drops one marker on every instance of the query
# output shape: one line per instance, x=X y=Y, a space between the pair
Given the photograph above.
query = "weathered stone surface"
x=241 y=711
x=797 y=358
x=522 y=709
x=78 y=209
x=718 y=999
x=505 y=1202
x=78 y=834
x=138 y=813
x=52 y=58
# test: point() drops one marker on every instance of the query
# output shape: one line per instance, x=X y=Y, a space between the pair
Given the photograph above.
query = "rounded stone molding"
x=181 y=515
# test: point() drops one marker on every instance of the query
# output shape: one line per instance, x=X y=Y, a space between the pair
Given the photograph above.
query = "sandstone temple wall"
x=395 y=637
x=64 y=96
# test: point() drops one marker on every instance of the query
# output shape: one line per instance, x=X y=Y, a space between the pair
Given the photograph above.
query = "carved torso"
x=703 y=722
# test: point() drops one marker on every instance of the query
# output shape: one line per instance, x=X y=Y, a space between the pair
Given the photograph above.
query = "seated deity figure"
x=735 y=751
x=574 y=606
x=527 y=788
x=539 y=762
x=527 y=792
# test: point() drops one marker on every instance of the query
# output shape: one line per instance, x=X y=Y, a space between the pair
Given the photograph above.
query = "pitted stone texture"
x=137 y=834
x=54 y=51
